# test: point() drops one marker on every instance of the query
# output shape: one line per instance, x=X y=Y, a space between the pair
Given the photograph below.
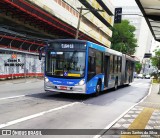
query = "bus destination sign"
x=67 y=46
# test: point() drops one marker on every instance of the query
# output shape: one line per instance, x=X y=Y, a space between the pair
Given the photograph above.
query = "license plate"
x=63 y=87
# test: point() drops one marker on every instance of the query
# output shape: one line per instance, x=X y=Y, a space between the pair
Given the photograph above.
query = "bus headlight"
x=46 y=79
x=81 y=82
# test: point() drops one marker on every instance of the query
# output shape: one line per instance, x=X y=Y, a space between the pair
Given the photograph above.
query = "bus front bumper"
x=81 y=89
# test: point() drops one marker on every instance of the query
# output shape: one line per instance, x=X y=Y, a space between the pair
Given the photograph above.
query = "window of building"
x=67 y=7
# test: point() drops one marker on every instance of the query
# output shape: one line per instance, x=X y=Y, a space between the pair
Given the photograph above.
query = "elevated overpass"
x=26 y=24
x=34 y=19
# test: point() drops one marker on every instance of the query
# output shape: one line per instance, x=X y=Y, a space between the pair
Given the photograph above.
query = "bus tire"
x=98 y=88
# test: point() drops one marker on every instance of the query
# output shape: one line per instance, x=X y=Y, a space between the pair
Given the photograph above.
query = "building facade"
x=93 y=23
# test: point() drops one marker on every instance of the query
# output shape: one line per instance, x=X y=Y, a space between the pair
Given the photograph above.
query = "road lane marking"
x=35 y=115
x=12 y=97
x=111 y=124
x=142 y=119
x=140 y=122
x=114 y=121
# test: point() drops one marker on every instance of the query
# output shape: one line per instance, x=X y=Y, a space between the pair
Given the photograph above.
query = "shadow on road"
x=69 y=97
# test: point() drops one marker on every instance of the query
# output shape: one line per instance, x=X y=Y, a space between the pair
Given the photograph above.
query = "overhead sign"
x=147 y=55
x=118 y=15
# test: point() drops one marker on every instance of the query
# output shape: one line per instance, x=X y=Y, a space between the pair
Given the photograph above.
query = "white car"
x=140 y=76
x=147 y=77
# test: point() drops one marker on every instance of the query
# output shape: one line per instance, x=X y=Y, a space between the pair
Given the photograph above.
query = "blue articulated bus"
x=78 y=66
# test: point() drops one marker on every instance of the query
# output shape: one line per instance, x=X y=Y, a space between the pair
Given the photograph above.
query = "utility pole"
x=80 y=17
x=79 y=20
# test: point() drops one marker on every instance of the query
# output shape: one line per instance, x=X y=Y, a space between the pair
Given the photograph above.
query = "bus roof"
x=68 y=40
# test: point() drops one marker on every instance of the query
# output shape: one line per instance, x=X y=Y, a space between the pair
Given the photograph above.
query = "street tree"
x=138 y=67
x=123 y=38
x=156 y=59
x=156 y=62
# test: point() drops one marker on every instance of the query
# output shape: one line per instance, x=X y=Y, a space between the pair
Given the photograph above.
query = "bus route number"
x=67 y=46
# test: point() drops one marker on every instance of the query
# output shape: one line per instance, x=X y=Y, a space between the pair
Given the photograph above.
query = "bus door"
x=123 y=69
x=106 y=70
x=126 y=71
x=91 y=64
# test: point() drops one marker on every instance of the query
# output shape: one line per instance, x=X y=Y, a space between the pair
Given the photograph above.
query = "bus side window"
x=115 y=64
x=91 y=63
x=91 y=67
x=111 y=64
x=99 y=63
x=120 y=63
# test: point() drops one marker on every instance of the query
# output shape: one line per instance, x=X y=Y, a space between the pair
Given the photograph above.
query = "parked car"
x=147 y=76
x=140 y=76
x=135 y=74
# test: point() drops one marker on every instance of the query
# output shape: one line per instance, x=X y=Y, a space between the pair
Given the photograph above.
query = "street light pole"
x=79 y=20
x=80 y=17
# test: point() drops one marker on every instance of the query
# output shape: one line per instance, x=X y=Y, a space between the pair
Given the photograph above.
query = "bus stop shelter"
x=151 y=12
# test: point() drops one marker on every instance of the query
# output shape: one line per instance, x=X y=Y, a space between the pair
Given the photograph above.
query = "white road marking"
x=35 y=115
x=112 y=123
x=5 y=98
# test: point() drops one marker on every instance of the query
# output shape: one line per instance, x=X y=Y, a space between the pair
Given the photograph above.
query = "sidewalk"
x=145 y=116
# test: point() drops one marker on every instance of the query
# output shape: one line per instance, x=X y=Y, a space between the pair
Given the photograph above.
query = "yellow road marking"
x=150 y=103
x=140 y=122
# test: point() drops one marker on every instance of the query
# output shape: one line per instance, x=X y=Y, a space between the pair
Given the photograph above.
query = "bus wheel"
x=98 y=88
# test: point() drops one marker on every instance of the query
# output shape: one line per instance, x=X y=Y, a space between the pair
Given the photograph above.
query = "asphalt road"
x=27 y=106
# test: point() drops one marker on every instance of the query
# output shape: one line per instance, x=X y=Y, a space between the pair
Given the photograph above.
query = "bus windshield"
x=65 y=64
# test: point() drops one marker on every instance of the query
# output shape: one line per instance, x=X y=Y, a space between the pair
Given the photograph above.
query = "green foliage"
x=156 y=81
x=123 y=38
x=156 y=63
x=138 y=67
x=156 y=59
x=155 y=75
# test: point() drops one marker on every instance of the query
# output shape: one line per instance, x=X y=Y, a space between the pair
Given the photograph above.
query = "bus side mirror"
x=40 y=52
